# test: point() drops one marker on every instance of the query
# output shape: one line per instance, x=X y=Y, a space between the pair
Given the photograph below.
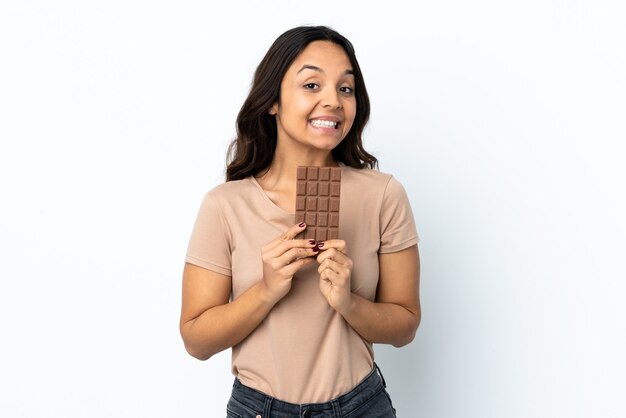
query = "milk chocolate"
x=317 y=202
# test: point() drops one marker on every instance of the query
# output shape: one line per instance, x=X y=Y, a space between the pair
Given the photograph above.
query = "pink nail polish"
x=320 y=244
x=312 y=241
x=301 y=224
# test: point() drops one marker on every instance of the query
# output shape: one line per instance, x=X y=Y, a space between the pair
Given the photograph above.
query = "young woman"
x=300 y=315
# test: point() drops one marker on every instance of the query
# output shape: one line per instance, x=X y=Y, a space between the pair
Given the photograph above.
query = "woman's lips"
x=325 y=125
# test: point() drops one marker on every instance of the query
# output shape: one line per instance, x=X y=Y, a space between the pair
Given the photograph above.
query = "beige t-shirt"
x=303 y=351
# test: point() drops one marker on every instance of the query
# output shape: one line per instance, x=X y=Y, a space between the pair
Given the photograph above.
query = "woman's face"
x=317 y=102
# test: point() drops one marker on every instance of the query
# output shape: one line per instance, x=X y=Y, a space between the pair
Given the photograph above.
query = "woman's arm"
x=395 y=315
x=210 y=324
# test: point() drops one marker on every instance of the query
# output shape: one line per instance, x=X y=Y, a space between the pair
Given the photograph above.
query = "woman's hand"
x=282 y=258
x=335 y=269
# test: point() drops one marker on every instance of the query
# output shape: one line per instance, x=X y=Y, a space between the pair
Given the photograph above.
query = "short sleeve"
x=209 y=245
x=397 y=226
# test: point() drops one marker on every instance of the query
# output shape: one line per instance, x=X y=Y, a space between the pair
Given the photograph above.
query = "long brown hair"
x=253 y=149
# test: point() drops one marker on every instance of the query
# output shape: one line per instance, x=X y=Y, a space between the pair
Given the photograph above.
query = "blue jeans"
x=368 y=399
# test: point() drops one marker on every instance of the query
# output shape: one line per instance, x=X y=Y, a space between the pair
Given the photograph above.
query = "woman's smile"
x=326 y=125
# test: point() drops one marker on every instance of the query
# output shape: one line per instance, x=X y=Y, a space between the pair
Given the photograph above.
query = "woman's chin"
x=325 y=144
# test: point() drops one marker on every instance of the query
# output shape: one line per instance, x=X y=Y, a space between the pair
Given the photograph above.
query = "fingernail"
x=312 y=241
x=320 y=244
x=316 y=249
x=301 y=224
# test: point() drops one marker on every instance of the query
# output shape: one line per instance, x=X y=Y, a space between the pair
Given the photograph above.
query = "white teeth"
x=323 y=123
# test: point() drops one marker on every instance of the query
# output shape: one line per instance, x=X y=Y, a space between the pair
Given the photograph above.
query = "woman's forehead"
x=322 y=56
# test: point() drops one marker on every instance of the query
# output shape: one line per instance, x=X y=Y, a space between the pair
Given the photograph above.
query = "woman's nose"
x=331 y=99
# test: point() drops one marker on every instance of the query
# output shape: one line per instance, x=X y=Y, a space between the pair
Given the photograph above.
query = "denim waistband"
x=371 y=385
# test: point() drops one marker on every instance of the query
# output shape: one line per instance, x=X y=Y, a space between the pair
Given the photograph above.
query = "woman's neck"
x=284 y=165
x=281 y=175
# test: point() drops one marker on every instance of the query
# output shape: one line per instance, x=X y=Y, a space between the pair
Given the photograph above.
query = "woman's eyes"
x=345 y=89
x=348 y=90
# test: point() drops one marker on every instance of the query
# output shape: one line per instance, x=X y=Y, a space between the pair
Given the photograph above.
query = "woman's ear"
x=273 y=110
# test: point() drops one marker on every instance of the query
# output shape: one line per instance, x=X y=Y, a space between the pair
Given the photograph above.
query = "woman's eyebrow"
x=318 y=69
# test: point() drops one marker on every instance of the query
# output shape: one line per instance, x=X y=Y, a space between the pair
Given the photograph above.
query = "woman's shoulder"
x=231 y=194
x=366 y=176
x=372 y=184
x=230 y=189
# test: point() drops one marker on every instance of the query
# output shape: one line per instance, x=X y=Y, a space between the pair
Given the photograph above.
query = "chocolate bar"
x=317 y=202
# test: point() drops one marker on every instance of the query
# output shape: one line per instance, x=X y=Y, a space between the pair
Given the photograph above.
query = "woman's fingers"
x=336 y=267
x=285 y=246
x=335 y=279
x=290 y=234
x=335 y=270
x=333 y=254
x=293 y=268
x=294 y=254
x=283 y=257
x=337 y=244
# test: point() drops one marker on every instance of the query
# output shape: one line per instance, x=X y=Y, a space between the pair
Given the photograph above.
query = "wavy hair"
x=252 y=151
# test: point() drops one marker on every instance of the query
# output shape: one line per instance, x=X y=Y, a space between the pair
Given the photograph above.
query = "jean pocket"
x=376 y=406
x=232 y=414
x=390 y=403
x=236 y=409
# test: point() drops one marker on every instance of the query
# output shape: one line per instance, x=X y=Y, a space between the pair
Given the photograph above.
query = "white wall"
x=504 y=121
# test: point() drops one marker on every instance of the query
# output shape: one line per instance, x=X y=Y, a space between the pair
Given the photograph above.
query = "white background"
x=504 y=120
